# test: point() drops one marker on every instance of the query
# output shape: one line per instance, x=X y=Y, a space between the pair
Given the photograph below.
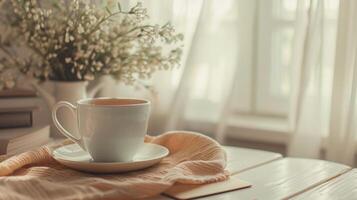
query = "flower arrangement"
x=76 y=41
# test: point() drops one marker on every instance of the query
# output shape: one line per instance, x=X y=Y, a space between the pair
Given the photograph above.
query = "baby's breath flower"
x=83 y=42
x=79 y=75
x=68 y=60
x=80 y=29
x=66 y=37
x=70 y=23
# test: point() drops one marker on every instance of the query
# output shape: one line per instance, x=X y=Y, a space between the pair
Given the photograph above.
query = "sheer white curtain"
x=325 y=99
x=210 y=67
x=307 y=103
x=342 y=136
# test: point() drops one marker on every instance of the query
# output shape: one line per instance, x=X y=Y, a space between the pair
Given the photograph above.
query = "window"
x=259 y=38
x=275 y=28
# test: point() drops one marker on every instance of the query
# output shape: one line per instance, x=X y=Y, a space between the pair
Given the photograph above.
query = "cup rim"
x=85 y=102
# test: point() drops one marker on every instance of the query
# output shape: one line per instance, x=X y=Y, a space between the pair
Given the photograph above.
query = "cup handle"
x=66 y=133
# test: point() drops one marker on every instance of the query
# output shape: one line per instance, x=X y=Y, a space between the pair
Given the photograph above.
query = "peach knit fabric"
x=193 y=159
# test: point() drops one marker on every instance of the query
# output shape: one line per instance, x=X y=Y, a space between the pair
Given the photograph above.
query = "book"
x=16 y=117
x=41 y=113
x=19 y=102
x=17 y=140
x=17 y=92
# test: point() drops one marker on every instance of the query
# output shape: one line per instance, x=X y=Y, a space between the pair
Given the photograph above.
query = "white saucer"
x=75 y=157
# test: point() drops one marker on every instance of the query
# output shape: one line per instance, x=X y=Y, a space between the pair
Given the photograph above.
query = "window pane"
x=284 y=9
x=281 y=49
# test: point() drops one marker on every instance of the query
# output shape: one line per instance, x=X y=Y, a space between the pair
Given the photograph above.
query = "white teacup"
x=111 y=129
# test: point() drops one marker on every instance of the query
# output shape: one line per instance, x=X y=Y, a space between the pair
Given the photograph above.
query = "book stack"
x=21 y=126
x=17 y=107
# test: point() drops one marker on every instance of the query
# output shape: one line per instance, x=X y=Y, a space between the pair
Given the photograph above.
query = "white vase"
x=70 y=91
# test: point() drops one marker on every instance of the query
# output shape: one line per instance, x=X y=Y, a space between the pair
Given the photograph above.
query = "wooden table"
x=275 y=177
